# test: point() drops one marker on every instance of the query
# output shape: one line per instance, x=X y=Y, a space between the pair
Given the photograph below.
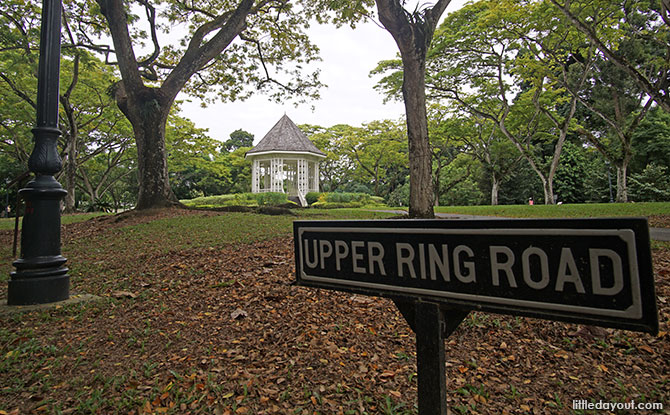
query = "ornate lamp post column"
x=40 y=275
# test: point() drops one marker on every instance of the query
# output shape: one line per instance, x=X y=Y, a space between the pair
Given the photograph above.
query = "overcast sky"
x=348 y=57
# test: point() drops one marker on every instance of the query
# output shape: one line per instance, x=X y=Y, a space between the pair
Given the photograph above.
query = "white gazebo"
x=285 y=161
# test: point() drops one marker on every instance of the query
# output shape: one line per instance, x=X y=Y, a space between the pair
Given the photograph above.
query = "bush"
x=336 y=205
x=271 y=199
x=652 y=185
x=399 y=197
x=312 y=197
x=238 y=199
x=346 y=200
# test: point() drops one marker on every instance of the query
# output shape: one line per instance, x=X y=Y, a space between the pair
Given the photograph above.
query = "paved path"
x=657 y=234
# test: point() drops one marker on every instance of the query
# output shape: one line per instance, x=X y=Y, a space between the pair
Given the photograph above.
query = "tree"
x=477 y=62
x=460 y=185
x=336 y=169
x=445 y=132
x=196 y=166
x=238 y=139
x=651 y=185
x=240 y=170
x=497 y=154
x=651 y=141
x=234 y=48
x=413 y=33
x=376 y=148
x=616 y=103
x=571 y=178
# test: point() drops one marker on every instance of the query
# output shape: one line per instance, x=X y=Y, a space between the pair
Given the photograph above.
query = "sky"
x=349 y=98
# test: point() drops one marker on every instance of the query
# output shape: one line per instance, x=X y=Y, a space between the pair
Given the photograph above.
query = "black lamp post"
x=40 y=275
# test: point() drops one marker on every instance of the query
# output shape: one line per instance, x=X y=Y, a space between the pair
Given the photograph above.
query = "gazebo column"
x=316 y=177
x=303 y=185
x=254 y=176
x=273 y=175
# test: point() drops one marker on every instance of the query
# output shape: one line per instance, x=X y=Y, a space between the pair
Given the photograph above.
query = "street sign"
x=591 y=271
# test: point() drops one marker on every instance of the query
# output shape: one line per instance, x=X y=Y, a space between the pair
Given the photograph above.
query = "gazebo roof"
x=285 y=136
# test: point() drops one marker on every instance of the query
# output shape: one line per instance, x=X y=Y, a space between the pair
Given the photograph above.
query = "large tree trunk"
x=154 y=186
x=420 y=168
x=413 y=33
x=147 y=112
x=548 y=187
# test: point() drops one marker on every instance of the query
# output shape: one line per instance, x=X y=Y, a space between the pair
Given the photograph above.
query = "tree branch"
x=197 y=55
x=619 y=61
x=151 y=16
x=114 y=12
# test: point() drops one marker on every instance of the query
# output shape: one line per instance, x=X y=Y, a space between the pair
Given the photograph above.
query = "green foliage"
x=10 y=168
x=346 y=200
x=312 y=197
x=336 y=168
x=198 y=168
x=270 y=198
x=238 y=139
x=237 y=199
x=521 y=65
x=651 y=185
x=399 y=196
x=651 y=141
x=572 y=174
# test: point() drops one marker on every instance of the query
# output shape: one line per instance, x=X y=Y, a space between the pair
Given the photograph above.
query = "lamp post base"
x=39 y=290
x=40 y=276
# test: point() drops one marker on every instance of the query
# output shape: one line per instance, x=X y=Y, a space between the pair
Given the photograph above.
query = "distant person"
x=530 y=201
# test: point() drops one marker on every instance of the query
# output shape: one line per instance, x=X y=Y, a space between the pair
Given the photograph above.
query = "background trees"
x=540 y=76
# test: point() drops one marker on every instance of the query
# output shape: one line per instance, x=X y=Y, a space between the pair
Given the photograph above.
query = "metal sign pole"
x=431 y=326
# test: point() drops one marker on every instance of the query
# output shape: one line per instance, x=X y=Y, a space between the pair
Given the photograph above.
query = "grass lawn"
x=564 y=210
x=198 y=314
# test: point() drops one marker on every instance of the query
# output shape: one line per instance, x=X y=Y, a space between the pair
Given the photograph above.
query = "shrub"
x=238 y=199
x=312 y=197
x=346 y=200
x=652 y=185
x=399 y=197
x=271 y=199
x=336 y=205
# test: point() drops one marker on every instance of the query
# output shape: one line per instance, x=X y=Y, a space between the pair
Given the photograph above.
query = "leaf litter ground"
x=188 y=325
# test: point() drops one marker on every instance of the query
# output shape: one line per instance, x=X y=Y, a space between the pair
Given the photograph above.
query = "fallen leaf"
x=238 y=314
x=123 y=294
x=646 y=349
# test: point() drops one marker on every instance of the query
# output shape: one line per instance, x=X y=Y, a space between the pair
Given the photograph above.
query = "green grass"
x=238 y=199
x=8 y=223
x=563 y=211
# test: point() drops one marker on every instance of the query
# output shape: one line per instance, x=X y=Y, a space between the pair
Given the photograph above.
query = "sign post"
x=588 y=271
